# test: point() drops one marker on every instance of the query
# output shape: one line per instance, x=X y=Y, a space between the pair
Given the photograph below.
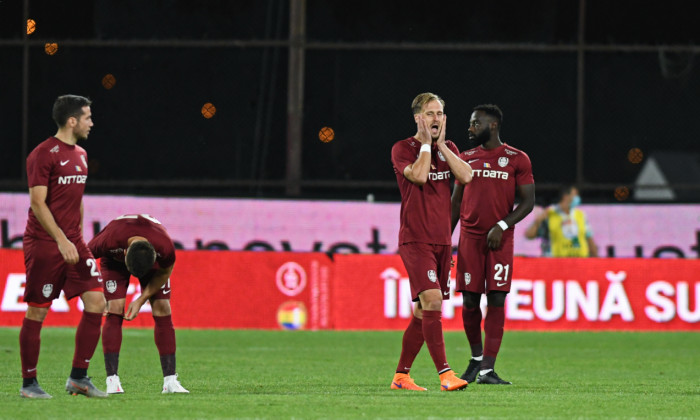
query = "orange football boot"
x=450 y=382
x=404 y=381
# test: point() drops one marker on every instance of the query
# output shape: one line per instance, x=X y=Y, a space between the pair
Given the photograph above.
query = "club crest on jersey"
x=432 y=275
x=502 y=161
x=54 y=149
x=82 y=157
x=467 y=278
x=442 y=158
x=48 y=288
x=111 y=286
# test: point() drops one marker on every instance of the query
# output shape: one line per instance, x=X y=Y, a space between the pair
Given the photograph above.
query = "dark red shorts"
x=116 y=280
x=480 y=269
x=428 y=267
x=48 y=274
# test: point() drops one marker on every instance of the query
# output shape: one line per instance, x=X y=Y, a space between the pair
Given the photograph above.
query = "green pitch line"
x=281 y=374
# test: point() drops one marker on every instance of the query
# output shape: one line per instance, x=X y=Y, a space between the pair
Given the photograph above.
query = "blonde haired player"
x=424 y=165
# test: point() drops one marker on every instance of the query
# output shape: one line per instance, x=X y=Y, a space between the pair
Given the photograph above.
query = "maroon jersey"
x=62 y=168
x=112 y=240
x=425 y=211
x=490 y=196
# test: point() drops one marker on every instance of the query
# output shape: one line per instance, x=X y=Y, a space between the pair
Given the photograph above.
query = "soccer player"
x=424 y=164
x=55 y=255
x=138 y=245
x=485 y=253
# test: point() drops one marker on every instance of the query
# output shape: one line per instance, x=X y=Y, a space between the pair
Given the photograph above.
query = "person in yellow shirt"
x=564 y=228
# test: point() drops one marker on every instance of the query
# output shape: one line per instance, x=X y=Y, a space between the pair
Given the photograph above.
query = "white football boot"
x=114 y=386
x=172 y=386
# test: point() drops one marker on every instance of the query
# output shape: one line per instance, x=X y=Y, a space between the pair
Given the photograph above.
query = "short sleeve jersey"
x=63 y=169
x=490 y=196
x=425 y=211
x=113 y=239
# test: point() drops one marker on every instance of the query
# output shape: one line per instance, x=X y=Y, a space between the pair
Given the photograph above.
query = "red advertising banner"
x=546 y=294
x=273 y=290
x=210 y=289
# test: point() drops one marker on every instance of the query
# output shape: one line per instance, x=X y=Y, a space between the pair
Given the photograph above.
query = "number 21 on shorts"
x=501 y=275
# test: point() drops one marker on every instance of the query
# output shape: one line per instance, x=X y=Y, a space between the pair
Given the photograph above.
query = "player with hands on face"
x=424 y=164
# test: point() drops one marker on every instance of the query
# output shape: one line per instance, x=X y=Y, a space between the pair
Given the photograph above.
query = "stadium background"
x=596 y=92
x=581 y=84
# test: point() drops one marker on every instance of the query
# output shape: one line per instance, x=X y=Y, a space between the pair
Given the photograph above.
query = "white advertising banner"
x=664 y=231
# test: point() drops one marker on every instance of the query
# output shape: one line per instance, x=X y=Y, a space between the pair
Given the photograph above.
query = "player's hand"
x=493 y=239
x=423 y=131
x=68 y=251
x=443 y=130
x=133 y=310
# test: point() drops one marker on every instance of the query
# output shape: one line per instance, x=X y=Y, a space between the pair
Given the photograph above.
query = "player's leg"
x=471 y=321
x=29 y=345
x=84 y=279
x=499 y=271
x=448 y=380
x=470 y=282
x=412 y=340
x=164 y=336
x=112 y=342
x=45 y=267
x=116 y=284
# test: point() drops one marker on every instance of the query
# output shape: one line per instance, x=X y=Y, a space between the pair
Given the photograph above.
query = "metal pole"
x=25 y=95
x=580 y=91
x=295 y=99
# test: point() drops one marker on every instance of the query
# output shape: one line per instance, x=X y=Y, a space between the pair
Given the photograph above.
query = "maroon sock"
x=432 y=332
x=471 y=320
x=164 y=334
x=112 y=333
x=86 y=338
x=29 y=344
x=112 y=342
x=411 y=345
x=493 y=327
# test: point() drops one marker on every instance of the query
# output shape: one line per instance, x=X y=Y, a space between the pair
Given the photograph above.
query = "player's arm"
x=527 y=203
x=37 y=199
x=460 y=169
x=158 y=279
x=457 y=193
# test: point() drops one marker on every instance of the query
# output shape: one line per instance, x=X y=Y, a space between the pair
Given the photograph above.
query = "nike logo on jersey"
x=64 y=163
x=499 y=284
x=472 y=160
x=165 y=293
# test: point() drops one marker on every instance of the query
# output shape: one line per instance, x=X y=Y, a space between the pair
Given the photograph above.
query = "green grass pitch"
x=305 y=374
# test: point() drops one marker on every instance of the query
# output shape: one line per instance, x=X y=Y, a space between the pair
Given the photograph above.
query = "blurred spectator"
x=563 y=228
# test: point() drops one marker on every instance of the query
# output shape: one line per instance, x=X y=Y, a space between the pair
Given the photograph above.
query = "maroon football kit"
x=62 y=168
x=425 y=242
x=425 y=247
x=487 y=199
x=109 y=245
